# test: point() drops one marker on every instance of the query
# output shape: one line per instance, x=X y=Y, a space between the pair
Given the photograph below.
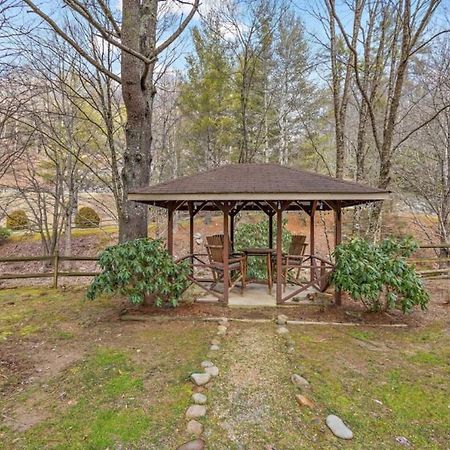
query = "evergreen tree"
x=206 y=100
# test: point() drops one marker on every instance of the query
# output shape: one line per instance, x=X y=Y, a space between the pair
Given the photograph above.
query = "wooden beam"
x=191 y=228
x=226 y=271
x=232 y=216
x=270 y=230
x=280 y=207
x=337 y=241
x=170 y=230
x=312 y=238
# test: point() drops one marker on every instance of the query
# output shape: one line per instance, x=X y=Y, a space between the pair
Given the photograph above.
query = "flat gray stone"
x=197 y=444
x=299 y=381
x=338 y=427
x=194 y=427
x=282 y=330
x=195 y=411
x=213 y=371
x=282 y=319
x=206 y=364
x=199 y=398
x=214 y=347
x=200 y=378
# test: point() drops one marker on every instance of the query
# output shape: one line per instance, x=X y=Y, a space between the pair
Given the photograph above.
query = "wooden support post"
x=312 y=238
x=337 y=241
x=279 y=254
x=232 y=216
x=170 y=210
x=191 y=228
x=226 y=246
x=271 y=230
x=55 y=269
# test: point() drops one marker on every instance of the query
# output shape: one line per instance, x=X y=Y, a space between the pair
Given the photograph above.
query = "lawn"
x=73 y=375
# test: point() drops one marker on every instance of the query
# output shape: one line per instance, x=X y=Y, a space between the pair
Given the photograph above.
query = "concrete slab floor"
x=257 y=295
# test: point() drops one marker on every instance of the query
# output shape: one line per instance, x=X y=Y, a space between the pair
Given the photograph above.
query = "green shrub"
x=17 y=220
x=378 y=275
x=257 y=235
x=5 y=233
x=87 y=217
x=138 y=268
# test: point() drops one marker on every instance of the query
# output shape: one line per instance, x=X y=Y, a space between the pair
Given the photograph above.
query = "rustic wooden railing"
x=443 y=269
x=54 y=261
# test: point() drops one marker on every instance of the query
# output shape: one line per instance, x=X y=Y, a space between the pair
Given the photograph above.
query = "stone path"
x=252 y=403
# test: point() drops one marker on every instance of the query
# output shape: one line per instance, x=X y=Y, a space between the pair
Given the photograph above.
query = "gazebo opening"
x=273 y=190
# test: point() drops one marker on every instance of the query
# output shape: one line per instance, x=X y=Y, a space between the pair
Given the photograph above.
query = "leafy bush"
x=378 y=274
x=4 y=234
x=87 y=217
x=17 y=220
x=138 y=268
x=257 y=235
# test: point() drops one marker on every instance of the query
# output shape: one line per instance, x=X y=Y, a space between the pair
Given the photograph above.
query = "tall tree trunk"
x=138 y=33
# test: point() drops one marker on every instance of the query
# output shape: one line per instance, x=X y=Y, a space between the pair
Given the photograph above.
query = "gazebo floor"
x=257 y=295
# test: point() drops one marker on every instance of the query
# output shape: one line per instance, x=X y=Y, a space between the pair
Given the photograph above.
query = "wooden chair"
x=236 y=265
x=294 y=258
x=218 y=239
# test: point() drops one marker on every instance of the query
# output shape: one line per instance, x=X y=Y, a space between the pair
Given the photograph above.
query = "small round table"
x=261 y=251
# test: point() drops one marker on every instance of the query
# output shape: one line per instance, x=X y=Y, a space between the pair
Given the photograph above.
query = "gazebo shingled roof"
x=258 y=182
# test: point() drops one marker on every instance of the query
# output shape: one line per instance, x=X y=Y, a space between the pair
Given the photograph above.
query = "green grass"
x=129 y=389
x=400 y=390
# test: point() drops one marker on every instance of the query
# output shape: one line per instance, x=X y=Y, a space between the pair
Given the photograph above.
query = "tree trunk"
x=138 y=33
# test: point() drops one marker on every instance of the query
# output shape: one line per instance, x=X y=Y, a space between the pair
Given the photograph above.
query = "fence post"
x=55 y=268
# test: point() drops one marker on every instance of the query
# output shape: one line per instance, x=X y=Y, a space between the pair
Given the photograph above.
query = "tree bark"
x=138 y=33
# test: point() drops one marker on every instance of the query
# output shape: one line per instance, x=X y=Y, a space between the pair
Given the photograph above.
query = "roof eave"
x=153 y=197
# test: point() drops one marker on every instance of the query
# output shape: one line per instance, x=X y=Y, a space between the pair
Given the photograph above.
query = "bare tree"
x=135 y=35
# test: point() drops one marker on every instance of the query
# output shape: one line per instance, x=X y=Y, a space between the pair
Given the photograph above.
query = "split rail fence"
x=54 y=264
x=442 y=271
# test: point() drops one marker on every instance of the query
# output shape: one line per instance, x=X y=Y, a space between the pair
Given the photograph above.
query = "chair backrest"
x=215 y=239
x=215 y=253
x=297 y=246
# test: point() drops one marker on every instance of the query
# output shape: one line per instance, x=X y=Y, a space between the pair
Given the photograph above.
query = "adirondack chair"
x=293 y=259
x=236 y=263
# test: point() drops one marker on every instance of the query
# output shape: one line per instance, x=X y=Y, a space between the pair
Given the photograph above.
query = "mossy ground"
x=72 y=375
x=384 y=383
x=124 y=384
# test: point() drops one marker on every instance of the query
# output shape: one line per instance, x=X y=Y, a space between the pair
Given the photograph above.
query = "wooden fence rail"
x=430 y=273
x=55 y=273
x=55 y=260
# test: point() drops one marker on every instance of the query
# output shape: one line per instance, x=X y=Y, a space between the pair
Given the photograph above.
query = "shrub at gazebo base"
x=141 y=270
x=379 y=275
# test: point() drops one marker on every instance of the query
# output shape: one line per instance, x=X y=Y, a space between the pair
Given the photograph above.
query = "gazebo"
x=271 y=188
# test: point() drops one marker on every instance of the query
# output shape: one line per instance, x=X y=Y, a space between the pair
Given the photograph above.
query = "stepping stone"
x=198 y=444
x=299 y=381
x=338 y=427
x=195 y=411
x=194 y=427
x=206 y=364
x=200 y=378
x=214 y=347
x=282 y=319
x=213 y=371
x=199 y=398
x=215 y=341
x=304 y=401
x=282 y=330
x=221 y=330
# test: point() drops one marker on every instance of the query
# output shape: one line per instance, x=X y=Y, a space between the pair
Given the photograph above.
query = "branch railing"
x=55 y=264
